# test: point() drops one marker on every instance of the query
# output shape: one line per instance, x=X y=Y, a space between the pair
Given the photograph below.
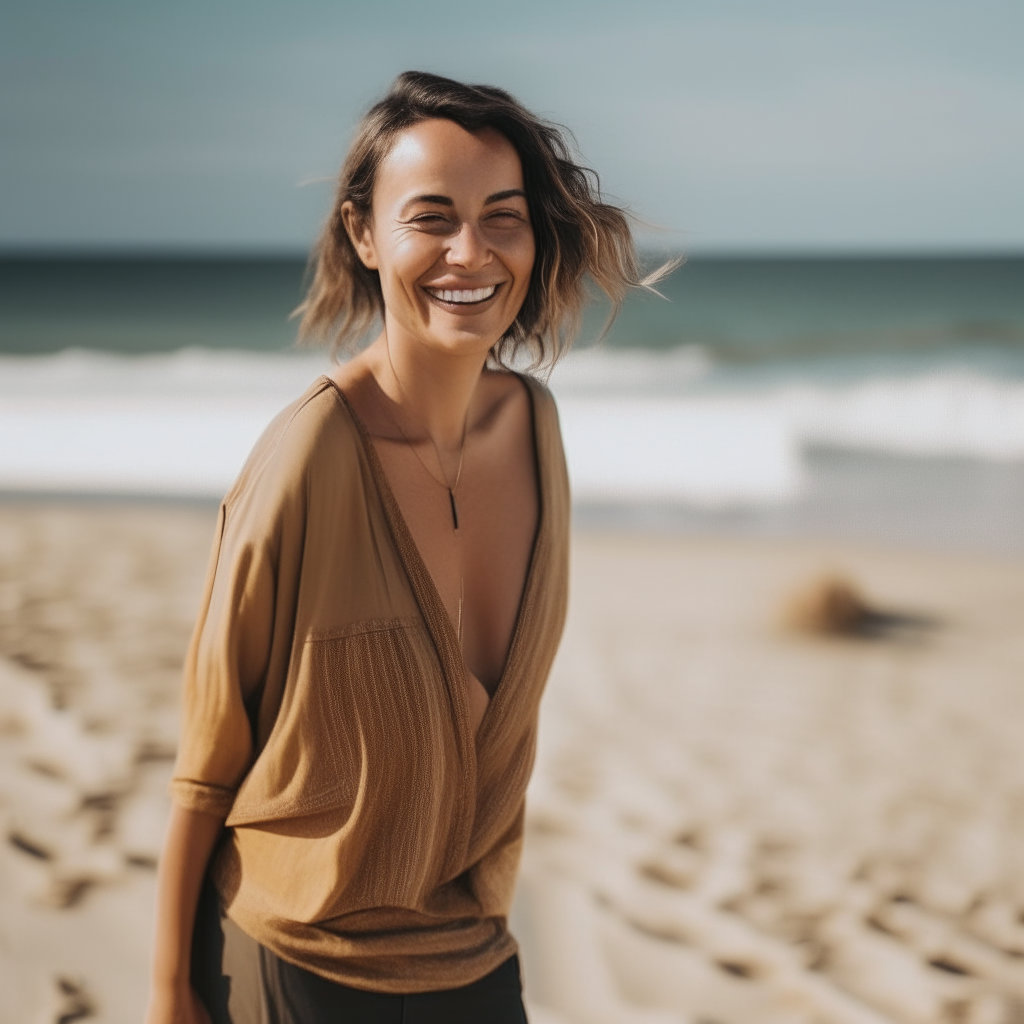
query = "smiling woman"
x=576 y=234
x=452 y=266
x=386 y=595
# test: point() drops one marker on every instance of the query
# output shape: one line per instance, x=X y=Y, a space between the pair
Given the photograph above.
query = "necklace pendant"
x=455 y=511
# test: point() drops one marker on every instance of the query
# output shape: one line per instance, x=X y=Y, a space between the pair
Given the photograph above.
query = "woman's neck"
x=434 y=390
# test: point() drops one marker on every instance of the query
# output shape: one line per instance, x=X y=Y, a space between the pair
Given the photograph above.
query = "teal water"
x=749 y=309
x=147 y=305
x=741 y=311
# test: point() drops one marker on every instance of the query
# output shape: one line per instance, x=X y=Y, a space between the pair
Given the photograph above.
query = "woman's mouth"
x=462 y=296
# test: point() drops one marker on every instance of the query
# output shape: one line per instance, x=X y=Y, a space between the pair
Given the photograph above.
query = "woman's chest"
x=475 y=541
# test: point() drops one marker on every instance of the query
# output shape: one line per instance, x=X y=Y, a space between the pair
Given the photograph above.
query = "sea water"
x=872 y=397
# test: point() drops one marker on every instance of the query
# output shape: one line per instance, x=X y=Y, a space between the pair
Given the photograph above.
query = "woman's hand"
x=175 y=1005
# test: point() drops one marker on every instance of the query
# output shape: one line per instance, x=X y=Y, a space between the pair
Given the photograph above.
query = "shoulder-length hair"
x=576 y=234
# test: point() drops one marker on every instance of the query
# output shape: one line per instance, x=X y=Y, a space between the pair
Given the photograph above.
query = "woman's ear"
x=358 y=229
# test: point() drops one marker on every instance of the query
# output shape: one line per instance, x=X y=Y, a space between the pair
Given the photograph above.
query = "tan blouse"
x=374 y=838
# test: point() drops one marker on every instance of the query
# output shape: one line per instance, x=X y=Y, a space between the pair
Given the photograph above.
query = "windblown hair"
x=576 y=234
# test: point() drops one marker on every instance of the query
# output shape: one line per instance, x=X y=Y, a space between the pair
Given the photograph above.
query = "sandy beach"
x=730 y=820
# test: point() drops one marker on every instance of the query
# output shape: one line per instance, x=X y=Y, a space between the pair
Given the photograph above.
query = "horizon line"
x=287 y=254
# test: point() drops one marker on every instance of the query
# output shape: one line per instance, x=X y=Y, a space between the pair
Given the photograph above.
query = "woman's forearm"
x=191 y=836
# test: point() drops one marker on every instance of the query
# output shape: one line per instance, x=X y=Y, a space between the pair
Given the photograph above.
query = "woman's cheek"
x=527 y=254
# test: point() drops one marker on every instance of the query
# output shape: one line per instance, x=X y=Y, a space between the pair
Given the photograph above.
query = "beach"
x=768 y=263
x=97 y=606
x=731 y=819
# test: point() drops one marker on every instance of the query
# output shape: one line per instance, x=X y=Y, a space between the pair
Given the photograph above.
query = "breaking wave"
x=638 y=426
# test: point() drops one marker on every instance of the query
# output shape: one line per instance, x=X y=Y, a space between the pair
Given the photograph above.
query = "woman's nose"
x=469 y=248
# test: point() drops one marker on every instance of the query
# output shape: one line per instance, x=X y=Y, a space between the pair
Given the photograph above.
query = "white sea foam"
x=637 y=426
x=717 y=444
x=178 y=424
x=707 y=451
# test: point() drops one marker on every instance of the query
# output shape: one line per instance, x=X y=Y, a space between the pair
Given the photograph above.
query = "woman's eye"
x=507 y=216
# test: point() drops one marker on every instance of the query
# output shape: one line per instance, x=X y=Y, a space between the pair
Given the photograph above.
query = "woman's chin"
x=462 y=337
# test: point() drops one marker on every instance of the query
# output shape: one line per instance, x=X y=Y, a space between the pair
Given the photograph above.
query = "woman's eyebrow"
x=440 y=200
x=509 y=193
x=434 y=200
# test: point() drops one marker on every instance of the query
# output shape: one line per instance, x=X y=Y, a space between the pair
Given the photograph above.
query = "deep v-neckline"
x=439 y=624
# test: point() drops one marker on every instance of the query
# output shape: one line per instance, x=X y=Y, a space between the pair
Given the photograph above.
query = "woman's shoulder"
x=543 y=406
x=314 y=427
x=540 y=394
x=508 y=387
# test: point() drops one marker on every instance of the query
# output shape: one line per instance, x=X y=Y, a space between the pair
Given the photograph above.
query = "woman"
x=386 y=594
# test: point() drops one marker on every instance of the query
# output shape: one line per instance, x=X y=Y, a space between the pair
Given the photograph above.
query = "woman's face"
x=450 y=236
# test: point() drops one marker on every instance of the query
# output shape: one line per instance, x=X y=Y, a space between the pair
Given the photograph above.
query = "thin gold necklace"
x=450 y=488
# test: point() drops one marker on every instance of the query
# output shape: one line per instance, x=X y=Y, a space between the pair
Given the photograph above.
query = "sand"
x=96 y=606
x=730 y=821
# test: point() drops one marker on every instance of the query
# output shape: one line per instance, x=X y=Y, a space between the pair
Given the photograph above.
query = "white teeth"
x=464 y=295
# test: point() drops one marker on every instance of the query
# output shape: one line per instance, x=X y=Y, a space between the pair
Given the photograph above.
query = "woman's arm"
x=191 y=836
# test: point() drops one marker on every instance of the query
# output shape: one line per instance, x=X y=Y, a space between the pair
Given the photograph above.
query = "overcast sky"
x=879 y=125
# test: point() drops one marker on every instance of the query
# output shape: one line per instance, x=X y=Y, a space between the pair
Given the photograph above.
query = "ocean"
x=879 y=398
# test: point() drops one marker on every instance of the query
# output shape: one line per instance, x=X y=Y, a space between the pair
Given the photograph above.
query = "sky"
x=880 y=126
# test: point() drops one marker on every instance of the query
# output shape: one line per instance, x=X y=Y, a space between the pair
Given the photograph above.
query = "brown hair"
x=576 y=234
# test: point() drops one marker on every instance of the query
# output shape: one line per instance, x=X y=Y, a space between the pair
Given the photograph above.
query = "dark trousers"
x=243 y=982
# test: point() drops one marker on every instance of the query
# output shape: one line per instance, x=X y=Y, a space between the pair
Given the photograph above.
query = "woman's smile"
x=461 y=299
